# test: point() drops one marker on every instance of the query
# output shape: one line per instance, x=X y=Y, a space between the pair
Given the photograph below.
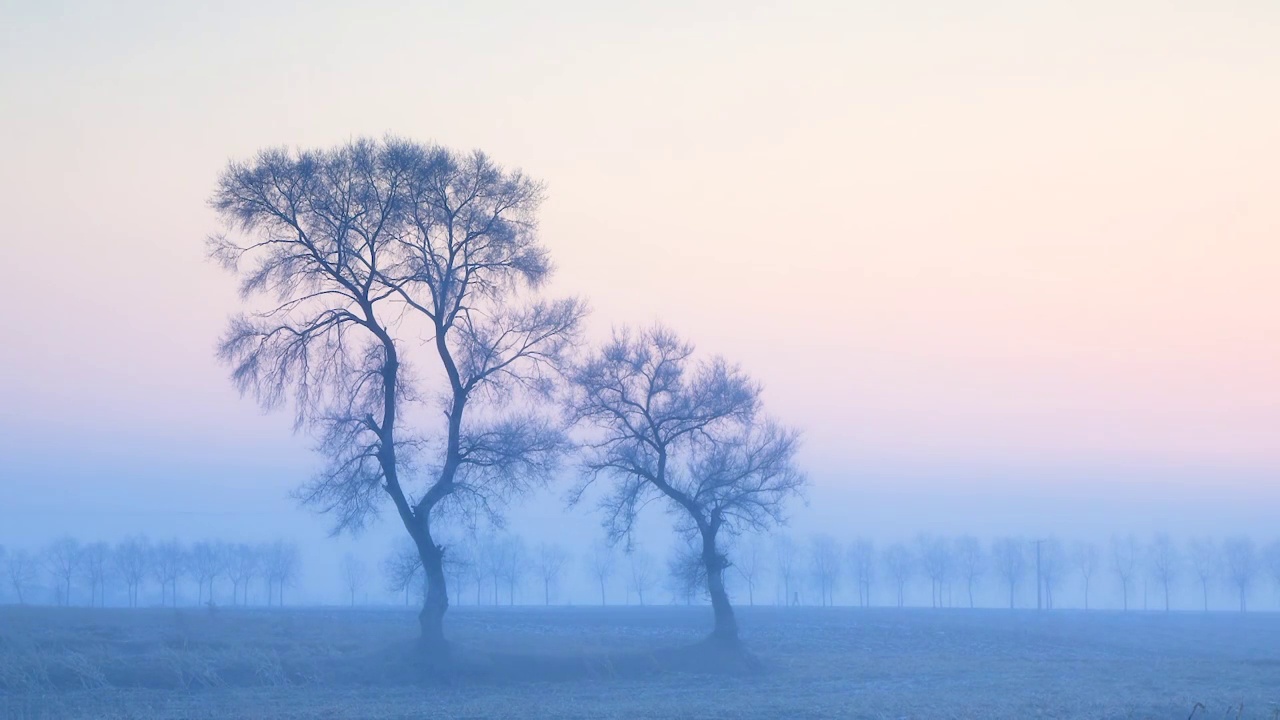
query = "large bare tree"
x=388 y=276
x=691 y=433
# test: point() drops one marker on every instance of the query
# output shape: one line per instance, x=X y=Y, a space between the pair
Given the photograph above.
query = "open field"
x=618 y=663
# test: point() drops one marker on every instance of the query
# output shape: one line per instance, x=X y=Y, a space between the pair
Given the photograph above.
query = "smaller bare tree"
x=862 y=560
x=549 y=564
x=1162 y=556
x=63 y=559
x=241 y=563
x=21 y=569
x=1086 y=558
x=354 y=575
x=206 y=564
x=169 y=563
x=899 y=565
x=1205 y=561
x=95 y=562
x=969 y=560
x=642 y=572
x=1124 y=562
x=785 y=562
x=600 y=564
x=824 y=566
x=1009 y=556
x=750 y=565
x=1241 y=557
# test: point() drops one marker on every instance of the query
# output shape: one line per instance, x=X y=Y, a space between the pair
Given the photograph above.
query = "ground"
x=627 y=663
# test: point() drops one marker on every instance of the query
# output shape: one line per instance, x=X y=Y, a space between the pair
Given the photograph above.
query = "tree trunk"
x=1205 y=584
x=435 y=600
x=726 y=626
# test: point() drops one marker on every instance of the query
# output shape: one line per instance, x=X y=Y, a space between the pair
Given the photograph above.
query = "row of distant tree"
x=1046 y=565
x=78 y=573
x=501 y=569
x=955 y=569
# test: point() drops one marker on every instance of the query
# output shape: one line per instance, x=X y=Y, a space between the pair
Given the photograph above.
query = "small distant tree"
x=281 y=562
x=1271 y=558
x=549 y=564
x=354 y=575
x=514 y=562
x=1053 y=562
x=1009 y=557
x=1162 y=557
x=785 y=562
x=899 y=565
x=936 y=561
x=1241 y=558
x=861 y=556
x=642 y=572
x=600 y=564
x=206 y=564
x=969 y=562
x=750 y=565
x=692 y=434
x=169 y=564
x=1086 y=558
x=457 y=566
x=63 y=559
x=95 y=564
x=241 y=563
x=21 y=569
x=1125 y=552
x=824 y=566
x=1205 y=561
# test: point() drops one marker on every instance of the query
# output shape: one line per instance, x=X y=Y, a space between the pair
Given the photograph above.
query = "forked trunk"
x=726 y=626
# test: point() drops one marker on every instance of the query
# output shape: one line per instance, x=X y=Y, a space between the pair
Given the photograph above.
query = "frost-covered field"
x=615 y=662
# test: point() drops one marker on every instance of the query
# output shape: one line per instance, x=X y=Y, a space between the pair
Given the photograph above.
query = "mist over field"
x=712 y=359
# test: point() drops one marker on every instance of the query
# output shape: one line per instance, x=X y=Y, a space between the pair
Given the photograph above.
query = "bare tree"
x=1053 y=562
x=63 y=558
x=281 y=563
x=691 y=433
x=1009 y=557
x=600 y=564
x=458 y=564
x=360 y=251
x=785 y=560
x=899 y=564
x=642 y=572
x=1086 y=558
x=21 y=569
x=936 y=561
x=1205 y=562
x=824 y=566
x=95 y=561
x=1124 y=561
x=169 y=563
x=750 y=565
x=1163 y=559
x=1271 y=558
x=354 y=575
x=206 y=564
x=514 y=559
x=549 y=564
x=862 y=559
x=969 y=562
x=241 y=564
x=1241 y=557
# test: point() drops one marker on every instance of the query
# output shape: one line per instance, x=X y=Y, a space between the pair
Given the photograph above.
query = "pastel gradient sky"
x=1025 y=250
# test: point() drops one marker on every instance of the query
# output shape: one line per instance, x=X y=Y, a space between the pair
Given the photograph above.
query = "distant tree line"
x=1030 y=572
x=69 y=572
